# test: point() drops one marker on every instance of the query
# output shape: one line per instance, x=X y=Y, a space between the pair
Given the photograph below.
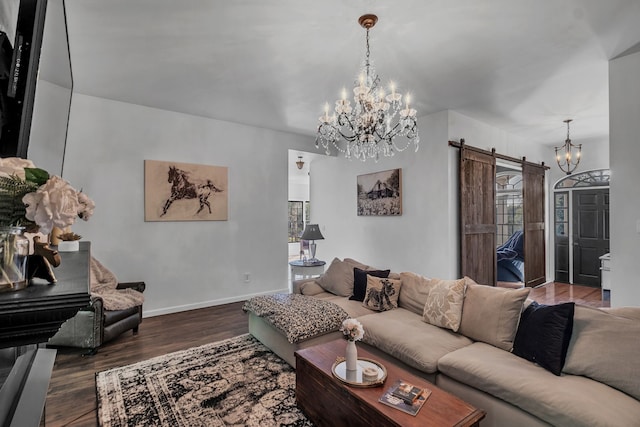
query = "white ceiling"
x=521 y=65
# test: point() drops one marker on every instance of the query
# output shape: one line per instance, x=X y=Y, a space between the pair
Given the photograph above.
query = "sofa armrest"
x=296 y=285
x=138 y=286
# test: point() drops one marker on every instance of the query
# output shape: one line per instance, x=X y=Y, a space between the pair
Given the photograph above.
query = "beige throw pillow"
x=414 y=292
x=382 y=293
x=491 y=314
x=444 y=303
x=338 y=279
x=605 y=348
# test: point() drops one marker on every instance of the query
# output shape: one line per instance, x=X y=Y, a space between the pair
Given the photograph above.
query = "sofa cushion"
x=565 y=400
x=354 y=308
x=606 y=348
x=444 y=303
x=382 y=294
x=311 y=288
x=403 y=335
x=544 y=333
x=491 y=314
x=414 y=292
x=360 y=281
x=338 y=279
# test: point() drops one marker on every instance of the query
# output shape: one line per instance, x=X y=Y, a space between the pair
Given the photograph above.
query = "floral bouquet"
x=31 y=198
x=36 y=202
x=352 y=329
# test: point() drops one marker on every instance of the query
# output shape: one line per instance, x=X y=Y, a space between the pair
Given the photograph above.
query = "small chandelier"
x=369 y=127
x=567 y=161
x=300 y=163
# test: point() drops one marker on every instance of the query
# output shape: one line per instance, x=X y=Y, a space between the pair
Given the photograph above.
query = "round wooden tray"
x=354 y=378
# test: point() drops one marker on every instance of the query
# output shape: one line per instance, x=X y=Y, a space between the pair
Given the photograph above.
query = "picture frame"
x=380 y=193
x=185 y=192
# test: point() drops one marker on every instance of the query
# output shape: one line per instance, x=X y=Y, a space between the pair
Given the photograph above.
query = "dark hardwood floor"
x=71 y=400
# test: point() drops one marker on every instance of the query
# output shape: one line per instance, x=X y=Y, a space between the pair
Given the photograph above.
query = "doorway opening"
x=581 y=227
x=509 y=223
x=299 y=199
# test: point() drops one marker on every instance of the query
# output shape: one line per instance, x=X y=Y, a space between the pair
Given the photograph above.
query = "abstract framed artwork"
x=380 y=193
x=185 y=192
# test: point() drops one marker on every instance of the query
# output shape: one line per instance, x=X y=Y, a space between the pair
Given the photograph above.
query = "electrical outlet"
x=247 y=277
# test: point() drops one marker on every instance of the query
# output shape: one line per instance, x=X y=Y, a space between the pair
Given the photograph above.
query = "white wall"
x=425 y=239
x=186 y=265
x=624 y=112
x=419 y=240
x=49 y=126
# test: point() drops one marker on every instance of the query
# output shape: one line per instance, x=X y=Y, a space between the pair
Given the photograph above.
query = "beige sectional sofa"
x=460 y=336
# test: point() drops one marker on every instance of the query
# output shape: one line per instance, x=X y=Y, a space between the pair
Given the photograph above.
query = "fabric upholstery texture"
x=338 y=279
x=444 y=303
x=565 y=400
x=414 y=292
x=544 y=333
x=354 y=308
x=298 y=316
x=606 y=348
x=311 y=288
x=382 y=294
x=491 y=314
x=421 y=345
x=360 y=281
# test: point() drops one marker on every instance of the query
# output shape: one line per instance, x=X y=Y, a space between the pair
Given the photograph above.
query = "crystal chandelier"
x=567 y=161
x=369 y=127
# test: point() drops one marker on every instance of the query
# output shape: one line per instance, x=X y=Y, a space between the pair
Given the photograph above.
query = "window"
x=594 y=178
x=508 y=204
x=296 y=220
x=561 y=214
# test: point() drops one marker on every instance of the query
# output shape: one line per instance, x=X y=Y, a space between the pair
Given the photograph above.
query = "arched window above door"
x=593 y=178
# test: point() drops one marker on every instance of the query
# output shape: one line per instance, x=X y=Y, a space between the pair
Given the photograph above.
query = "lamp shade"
x=312 y=232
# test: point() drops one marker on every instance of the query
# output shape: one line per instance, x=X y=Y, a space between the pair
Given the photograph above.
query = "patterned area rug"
x=236 y=382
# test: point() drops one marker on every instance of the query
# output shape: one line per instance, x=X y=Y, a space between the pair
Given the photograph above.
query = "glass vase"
x=351 y=356
x=14 y=252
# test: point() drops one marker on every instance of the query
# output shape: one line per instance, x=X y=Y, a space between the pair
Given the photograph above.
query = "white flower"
x=54 y=204
x=87 y=206
x=352 y=329
x=14 y=166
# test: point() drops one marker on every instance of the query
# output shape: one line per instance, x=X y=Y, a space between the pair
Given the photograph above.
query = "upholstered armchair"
x=93 y=326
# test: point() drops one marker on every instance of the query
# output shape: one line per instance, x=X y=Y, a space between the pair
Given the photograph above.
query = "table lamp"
x=312 y=233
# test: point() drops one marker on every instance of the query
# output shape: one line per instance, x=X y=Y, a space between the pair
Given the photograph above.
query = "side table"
x=305 y=269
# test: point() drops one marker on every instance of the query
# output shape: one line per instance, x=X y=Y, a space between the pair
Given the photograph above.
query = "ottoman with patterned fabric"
x=288 y=322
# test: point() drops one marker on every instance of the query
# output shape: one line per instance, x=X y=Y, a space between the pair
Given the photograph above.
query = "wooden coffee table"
x=327 y=401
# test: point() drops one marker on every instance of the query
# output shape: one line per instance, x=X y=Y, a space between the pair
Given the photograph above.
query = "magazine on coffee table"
x=405 y=397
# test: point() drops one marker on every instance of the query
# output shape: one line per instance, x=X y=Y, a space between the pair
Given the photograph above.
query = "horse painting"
x=185 y=187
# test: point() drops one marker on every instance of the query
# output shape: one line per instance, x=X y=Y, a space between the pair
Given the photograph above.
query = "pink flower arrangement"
x=29 y=196
x=352 y=329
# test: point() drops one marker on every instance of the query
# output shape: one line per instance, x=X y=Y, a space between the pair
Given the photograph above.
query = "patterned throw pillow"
x=444 y=303
x=360 y=281
x=382 y=294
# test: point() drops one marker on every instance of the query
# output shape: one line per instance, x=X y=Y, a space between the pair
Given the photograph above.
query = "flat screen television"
x=20 y=74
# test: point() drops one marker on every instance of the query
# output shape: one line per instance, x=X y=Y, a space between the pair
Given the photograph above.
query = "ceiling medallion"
x=371 y=126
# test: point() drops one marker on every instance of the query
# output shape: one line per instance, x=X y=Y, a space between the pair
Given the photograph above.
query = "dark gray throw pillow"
x=544 y=333
x=360 y=281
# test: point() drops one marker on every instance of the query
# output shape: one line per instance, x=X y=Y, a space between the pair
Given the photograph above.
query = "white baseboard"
x=205 y=304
